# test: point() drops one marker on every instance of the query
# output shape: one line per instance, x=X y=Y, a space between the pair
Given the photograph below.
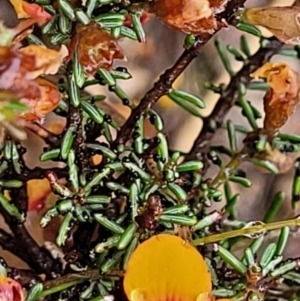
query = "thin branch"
x=9 y=243
x=35 y=173
x=160 y=88
x=20 y=198
x=228 y=99
x=75 y=119
x=23 y=245
x=37 y=257
x=164 y=84
x=25 y=277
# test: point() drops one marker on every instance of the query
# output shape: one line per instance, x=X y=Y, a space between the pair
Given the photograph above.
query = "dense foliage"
x=114 y=194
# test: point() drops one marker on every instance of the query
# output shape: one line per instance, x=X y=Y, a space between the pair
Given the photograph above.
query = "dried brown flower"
x=283 y=95
x=283 y=22
x=189 y=16
x=26 y=10
x=96 y=48
x=19 y=76
x=49 y=100
x=47 y=61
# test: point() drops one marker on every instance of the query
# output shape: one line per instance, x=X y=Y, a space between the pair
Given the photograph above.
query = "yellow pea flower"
x=166 y=268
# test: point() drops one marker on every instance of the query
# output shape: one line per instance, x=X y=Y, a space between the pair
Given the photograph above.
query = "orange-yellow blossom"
x=166 y=268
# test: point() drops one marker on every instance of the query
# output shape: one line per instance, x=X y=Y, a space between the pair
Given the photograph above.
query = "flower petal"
x=282 y=97
x=18 y=7
x=48 y=61
x=50 y=97
x=166 y=268
x=16 y=288
x=189 y=16
x=97 y=49
x=280 y=77
x=26 y=10
x=34 y=10
x=37 y=197
x=282 y=21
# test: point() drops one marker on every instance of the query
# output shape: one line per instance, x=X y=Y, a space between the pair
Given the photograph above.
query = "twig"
x=35 y=173
x=23 y=245
x=25 y=277
x=164 y=84
x=9 y=243
x=75 y=119
x=228 y=99
x=20 y=198
x=254 y=230
x=86 y=275
x=38 y=258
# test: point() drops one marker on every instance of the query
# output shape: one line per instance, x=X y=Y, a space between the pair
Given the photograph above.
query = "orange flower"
x=26 y=10
x=47 y=61
x=21 y=67
x=10 y=290
x=189 y=16
x=283 y=95
x=14 y=72
x=36 y=11
x=96 y=49
x=37 y=197
x=282 y=21
x=166 y=268
x=49 y=100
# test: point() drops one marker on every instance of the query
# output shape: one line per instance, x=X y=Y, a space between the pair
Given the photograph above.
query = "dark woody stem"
x=166 y=80
x=228 y=99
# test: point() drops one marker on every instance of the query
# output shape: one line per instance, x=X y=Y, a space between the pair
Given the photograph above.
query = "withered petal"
x=282 y=21
x=96 y=49
x=189 y=16
x=280 y=100
x=47 y=61
x=48 y=101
